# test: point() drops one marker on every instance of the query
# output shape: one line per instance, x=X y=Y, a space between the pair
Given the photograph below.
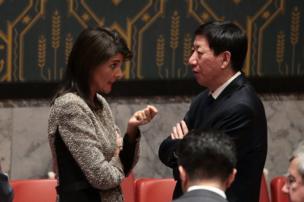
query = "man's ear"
x=182 y=173
x=226 y=59
x=184 y=178
x=231 y=178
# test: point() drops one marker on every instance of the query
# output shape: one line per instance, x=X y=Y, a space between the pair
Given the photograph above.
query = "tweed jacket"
x=90 y=136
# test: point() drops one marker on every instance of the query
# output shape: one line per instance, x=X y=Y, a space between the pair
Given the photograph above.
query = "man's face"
x=294 y=186
x=204 y=64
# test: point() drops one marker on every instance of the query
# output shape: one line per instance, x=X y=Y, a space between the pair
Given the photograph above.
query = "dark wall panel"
x=36 y=36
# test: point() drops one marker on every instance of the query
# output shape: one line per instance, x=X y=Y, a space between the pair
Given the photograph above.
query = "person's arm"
x=78 y=133
x=167 y=150
x=237 y=123
x=129 y=153
x=130 y=150
x=168 y=147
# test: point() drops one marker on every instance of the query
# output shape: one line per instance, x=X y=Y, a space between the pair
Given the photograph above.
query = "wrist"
x=132 y=132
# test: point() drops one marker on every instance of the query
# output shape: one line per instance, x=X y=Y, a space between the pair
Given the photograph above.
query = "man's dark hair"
x=207 y=155
x=225 y=36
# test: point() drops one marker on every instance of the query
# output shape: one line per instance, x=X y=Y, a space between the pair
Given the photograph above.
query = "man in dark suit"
x=228 y=104
x=207 y=163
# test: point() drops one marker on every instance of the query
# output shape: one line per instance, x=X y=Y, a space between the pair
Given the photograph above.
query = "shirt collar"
x=215 y=94
x=208 y=188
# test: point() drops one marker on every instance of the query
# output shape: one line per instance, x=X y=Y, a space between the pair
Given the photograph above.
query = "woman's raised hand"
x=141 y=117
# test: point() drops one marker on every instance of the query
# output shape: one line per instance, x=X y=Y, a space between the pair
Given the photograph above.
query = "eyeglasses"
x=291 y=181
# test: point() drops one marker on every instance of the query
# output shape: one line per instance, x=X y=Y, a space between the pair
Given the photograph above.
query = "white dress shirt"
x=215 y=94
x=208 y=188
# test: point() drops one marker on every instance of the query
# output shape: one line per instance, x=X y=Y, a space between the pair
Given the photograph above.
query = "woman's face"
x=106 y=74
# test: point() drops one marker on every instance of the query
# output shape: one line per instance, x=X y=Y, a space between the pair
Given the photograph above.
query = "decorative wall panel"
x=36 y=36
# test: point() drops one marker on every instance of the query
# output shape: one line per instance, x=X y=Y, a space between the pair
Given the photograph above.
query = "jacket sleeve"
x=130 y=153
x=166 y=152
x=78 y=133
x=168 y=147
x=237 y=123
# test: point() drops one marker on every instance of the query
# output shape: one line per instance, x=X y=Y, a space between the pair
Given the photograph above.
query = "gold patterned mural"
x=36 y=36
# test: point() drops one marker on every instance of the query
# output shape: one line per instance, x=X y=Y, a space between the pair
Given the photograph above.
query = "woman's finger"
x=153 y=110
x=139 y=116
x=119 y=141
x=147 y=114
x=143 y=115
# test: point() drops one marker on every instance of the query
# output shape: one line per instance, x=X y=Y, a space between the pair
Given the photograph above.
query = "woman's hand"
x=139 y=118
x=118 y=145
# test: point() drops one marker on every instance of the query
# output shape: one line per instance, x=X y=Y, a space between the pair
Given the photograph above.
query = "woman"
x=90 y=158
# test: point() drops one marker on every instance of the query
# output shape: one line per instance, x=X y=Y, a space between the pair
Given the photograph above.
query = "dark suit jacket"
x=240 y=114
x=200 y=196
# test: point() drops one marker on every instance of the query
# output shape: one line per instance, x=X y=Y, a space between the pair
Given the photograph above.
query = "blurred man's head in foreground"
x=206 y=158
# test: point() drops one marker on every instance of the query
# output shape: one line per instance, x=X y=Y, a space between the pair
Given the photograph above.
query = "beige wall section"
x=24 y=150
x=6 y=120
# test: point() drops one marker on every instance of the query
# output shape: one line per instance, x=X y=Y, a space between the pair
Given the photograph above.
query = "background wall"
x=24 y=150
x=36 y=36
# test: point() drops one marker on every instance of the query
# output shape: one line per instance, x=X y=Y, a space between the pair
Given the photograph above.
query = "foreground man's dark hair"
x=207 y=155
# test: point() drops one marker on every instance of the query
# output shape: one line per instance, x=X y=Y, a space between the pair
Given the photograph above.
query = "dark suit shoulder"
x=244 y=98
x=197 y=99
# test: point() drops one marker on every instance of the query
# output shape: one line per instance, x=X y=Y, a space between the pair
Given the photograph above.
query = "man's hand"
x=179 y=131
